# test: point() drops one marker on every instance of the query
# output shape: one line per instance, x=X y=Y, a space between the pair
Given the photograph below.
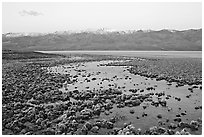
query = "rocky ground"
x=180 y=70
x=33 y=101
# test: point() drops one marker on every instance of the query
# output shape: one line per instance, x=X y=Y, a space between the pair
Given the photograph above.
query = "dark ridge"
x=186 y=40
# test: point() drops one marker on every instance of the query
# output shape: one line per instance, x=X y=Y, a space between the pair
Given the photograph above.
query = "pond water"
x=94 y=76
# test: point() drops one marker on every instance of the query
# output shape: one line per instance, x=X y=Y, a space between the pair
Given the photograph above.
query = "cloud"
x=30 y=13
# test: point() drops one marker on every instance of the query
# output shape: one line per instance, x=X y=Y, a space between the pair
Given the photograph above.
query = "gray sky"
x=50 y=17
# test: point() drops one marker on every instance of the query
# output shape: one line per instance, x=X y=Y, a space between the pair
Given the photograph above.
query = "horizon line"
x=113 y=30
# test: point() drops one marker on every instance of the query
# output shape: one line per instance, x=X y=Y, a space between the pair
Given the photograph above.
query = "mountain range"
x=102 y=39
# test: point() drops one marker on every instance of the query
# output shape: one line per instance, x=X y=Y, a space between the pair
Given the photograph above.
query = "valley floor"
x=100 y=94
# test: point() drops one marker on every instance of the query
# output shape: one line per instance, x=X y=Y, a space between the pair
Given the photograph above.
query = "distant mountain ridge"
x=106 y=39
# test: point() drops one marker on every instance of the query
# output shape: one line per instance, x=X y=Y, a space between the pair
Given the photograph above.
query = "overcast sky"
x=50 y=17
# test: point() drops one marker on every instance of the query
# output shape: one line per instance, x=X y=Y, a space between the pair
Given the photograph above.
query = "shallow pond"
x=94 y=76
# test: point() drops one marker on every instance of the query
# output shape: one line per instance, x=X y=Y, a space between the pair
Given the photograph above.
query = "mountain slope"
x=188 y=40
